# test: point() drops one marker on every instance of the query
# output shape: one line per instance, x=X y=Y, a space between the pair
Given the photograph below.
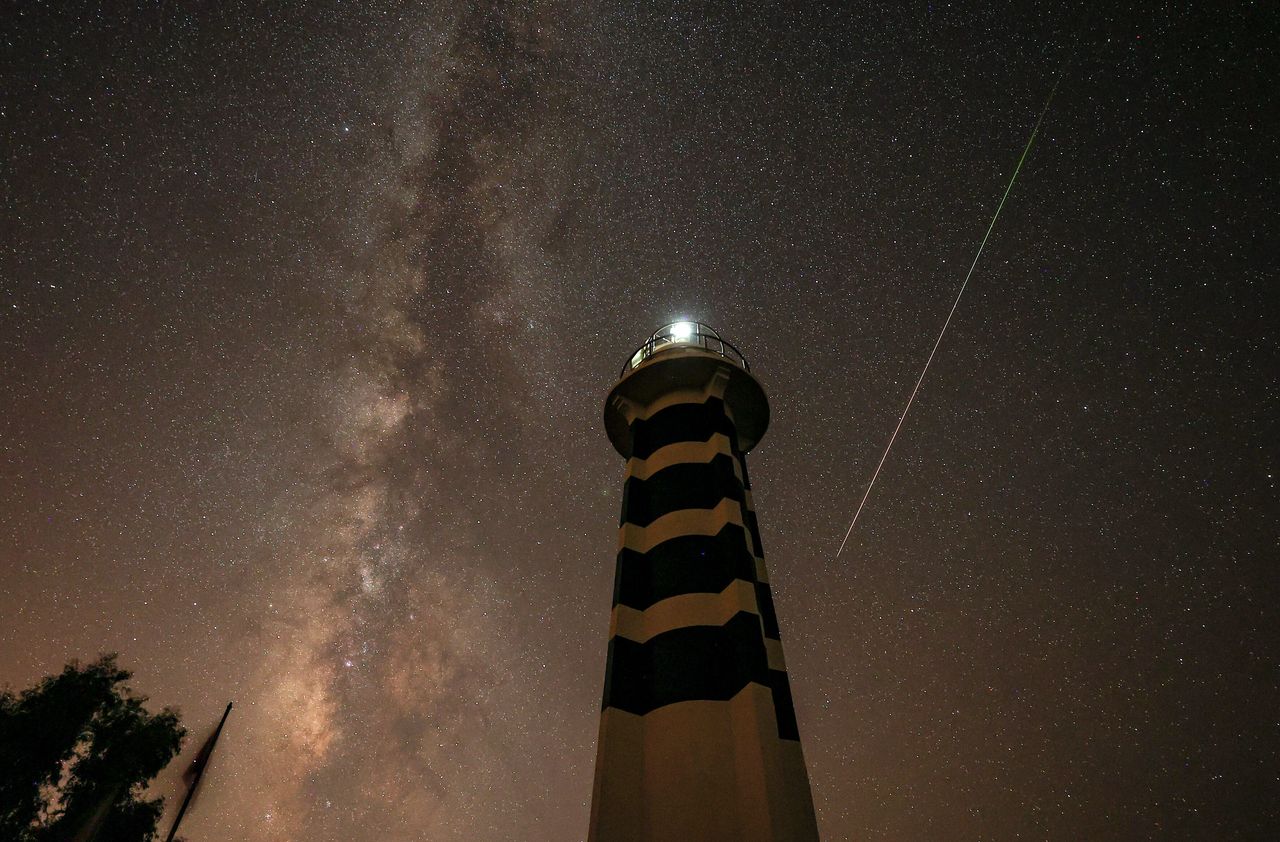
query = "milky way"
x=309 y=315
x=395 y=611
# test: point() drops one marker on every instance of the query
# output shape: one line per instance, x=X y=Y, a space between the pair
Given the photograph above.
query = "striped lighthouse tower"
x=698 y=737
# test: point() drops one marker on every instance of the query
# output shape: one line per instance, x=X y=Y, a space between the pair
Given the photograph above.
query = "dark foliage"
x=76 y=753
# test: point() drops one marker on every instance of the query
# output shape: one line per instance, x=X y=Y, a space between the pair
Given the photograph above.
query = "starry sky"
x=308 y=315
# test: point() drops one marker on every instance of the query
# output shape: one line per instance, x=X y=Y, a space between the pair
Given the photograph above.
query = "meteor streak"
x=1008 y=189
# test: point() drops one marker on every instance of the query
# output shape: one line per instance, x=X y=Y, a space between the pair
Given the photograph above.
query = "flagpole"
x=199 y=774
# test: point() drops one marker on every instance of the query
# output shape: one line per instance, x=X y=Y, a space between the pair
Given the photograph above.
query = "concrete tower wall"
x=698 y=736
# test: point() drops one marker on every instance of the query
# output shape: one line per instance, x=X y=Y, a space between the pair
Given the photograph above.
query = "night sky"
x=307 y=318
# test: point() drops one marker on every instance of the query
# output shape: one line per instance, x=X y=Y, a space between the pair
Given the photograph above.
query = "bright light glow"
x=682 y=330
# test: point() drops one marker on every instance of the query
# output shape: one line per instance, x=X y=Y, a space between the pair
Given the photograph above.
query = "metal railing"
x=684 y=335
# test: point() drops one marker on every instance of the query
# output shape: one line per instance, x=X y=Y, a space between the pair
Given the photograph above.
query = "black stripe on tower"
x=685 y=485
x=686 y=664
x=753 y=528
x=685 y=564
x=696 y=663
x=742 y=465
x=680 y=422
x=784 y=707
x=768 y=617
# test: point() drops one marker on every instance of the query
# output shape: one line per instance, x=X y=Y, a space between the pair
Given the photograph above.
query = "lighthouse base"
x=701 y=770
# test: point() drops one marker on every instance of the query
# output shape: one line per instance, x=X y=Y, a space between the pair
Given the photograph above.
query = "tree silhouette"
x=76 y=753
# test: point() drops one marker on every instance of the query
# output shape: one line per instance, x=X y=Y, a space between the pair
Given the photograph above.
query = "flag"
x=196 y=771
x=191 y=777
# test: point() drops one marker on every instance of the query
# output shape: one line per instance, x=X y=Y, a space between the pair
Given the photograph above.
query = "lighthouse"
x=698 y=736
